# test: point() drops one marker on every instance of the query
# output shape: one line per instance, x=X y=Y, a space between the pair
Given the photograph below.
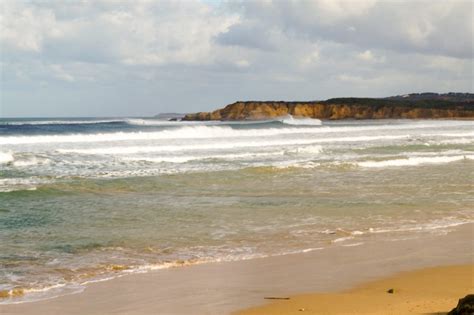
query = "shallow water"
x=86 y=199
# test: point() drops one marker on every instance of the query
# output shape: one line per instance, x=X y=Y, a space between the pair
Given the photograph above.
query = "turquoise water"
x=85 y=200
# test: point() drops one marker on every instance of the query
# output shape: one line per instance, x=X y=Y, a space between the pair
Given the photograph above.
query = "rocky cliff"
x=343 y=108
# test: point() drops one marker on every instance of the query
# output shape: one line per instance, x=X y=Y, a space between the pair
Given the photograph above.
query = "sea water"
x=85 y=200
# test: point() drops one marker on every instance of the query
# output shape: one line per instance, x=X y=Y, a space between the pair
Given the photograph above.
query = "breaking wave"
x=214 y=132
x=290 y=120
x=6 y=157
x=222 y=145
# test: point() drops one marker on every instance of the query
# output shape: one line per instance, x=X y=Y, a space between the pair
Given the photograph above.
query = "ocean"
x=86 y=199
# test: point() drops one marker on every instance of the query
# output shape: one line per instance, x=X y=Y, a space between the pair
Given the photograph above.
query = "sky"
x=140 y=58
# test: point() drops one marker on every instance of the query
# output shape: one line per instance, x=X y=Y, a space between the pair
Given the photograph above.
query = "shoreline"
x=227 y=287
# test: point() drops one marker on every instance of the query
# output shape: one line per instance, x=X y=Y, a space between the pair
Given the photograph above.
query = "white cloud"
x=366 y=56
x=60 y=73
x=142 y=32
x=433 y=27
x=369 y=56
x=242 y=63
x=191 y=52
x=333 y=11
x=25 y=28
x=350 y=78
x=449 y=64
x=311 y=58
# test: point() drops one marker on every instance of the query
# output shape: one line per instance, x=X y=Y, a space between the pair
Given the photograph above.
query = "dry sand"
x=426 y=291
x=223 y=288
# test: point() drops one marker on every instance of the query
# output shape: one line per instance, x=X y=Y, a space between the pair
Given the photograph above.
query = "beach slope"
x=223 y=288
x=426 y=291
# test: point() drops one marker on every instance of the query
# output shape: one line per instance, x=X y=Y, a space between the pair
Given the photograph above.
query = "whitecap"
x=6 y=157
x=301 y=121
x=212 y=132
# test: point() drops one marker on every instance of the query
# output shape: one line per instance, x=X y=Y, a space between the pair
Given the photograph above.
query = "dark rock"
x=465 y=306
x=391 y=291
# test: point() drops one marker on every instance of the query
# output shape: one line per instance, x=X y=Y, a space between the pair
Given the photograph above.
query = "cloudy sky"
x=139 y=58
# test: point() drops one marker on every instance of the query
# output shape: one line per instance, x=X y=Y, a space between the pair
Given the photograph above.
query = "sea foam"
x=215 y=132
x=223 y=145
x=413 y=161
x=6 y=157
x=290 y=120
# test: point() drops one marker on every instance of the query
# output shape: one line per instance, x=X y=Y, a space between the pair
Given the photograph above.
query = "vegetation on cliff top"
x=413 y=103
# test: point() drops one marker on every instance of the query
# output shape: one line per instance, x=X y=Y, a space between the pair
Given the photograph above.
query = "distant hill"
x=410 y=106
x=169 y=116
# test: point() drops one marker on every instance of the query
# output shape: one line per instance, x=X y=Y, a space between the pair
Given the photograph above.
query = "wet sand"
x=223 y=288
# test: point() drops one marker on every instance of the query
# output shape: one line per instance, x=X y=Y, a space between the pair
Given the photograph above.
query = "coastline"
x=342 y=108
x=223 y=288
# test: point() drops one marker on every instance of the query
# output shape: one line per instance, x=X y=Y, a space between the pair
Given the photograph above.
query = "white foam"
x=10 y=189
x=177 y=148
x=308 y=250
x=457 y=134
x=44 y=289
x=343 y=239
x=29 y=161
x=212 y=132
x=158 y=122
x=223 y=145
x=290 y=120
x=24 y=163
x=188 y=158
x=44 y=293
x=437 y=153
x=353 y=244
x=309 y=149
x=455 y=141
x=413 y=161
x=16 y=184
x=190 y=132
x=6 y=157
x=171 y=159
x=434 y=225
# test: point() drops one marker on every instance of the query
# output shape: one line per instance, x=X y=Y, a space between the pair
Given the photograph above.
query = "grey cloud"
x=251 y=34
x=140 y=57
x=434 y=27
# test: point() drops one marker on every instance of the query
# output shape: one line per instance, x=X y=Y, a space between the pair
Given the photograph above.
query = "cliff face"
x=340 y=109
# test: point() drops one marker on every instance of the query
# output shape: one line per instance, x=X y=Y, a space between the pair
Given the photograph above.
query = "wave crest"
x=413 y=161
x=6 y=157
x=301 y=121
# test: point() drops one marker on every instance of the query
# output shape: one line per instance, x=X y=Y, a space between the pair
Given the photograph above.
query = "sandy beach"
x=426 y=291
x=223 y=288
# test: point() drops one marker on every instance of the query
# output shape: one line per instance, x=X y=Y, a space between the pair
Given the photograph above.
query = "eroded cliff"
x=344 y=108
